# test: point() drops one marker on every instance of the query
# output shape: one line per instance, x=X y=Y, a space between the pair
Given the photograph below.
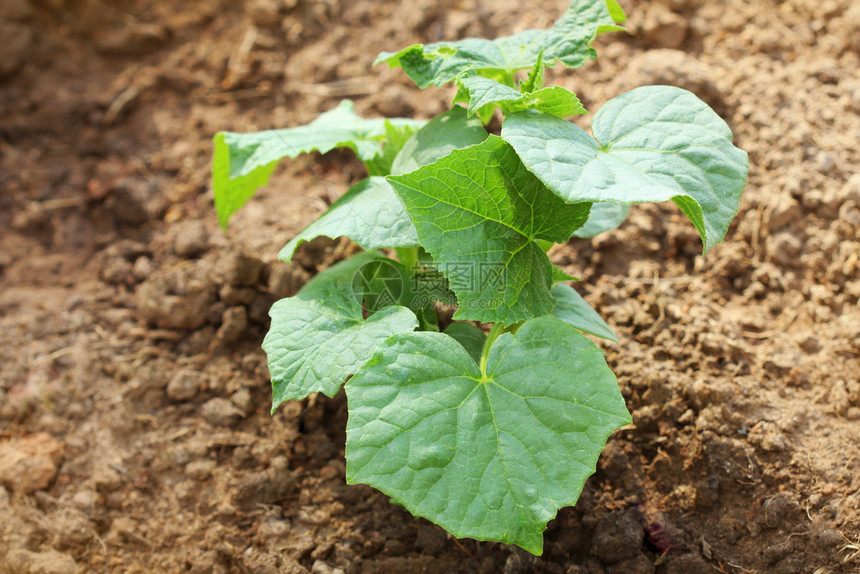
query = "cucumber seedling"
x=490 y=424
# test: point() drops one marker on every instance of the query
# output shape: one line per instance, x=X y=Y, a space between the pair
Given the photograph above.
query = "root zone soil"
x=134 y=425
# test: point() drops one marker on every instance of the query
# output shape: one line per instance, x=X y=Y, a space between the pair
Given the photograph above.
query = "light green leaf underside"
x=243 y=162
x=567 y=42
x=490 y=459
x=478 y=211
x=571 y=308
x=370 y=214
x=318 y=338
x=653 y=143
x=603 y=217
x=556 y=100
x=443 y=134
x=470 y=338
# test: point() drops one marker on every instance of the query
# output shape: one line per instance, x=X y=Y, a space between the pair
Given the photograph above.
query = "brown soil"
x=134 y=425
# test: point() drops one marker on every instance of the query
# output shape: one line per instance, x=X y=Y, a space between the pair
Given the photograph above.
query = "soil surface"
x=134 y=426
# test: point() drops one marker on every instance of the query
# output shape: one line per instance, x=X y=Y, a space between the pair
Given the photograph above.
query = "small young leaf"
x=534 y=81
x=477 y=211
x=568 y=41
x=483 y=92
x=487 y=457
x=243 y=162
x=395 y=138
x=604 y=216
x=370 y=214
x=319 y=337
x=571 y=308
x=616 y=11
x=470 y=337
x=442 y=135
x=653 y=143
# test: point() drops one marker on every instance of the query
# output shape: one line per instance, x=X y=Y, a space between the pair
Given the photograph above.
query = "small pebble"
x=191 y=239
x=233 y=325
x=663 y=29
x=242 y=399
x=184 y=385
x=200 y=469
x=221 y=412
x=241 y=270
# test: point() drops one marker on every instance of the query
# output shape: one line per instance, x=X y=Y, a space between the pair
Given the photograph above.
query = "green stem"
x=408 y=256
x=495 y=331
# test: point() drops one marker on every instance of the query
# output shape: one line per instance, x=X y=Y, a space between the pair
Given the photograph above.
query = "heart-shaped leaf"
x=651 y=144
x=319 y=337
x=493 y=455
x=478 y=212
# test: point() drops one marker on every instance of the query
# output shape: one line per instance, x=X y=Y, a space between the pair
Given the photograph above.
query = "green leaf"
x=652 y=144
x=243 y=162
x=490 y=458
x=382 y=283
x=370 y=214
x=477 y=211
x=571 y=308
x=395 y=138
x=483 y=92
x=568 y=42
x=603 y=217
x=429 y=286
x=559 y=274
x=616 y=11
x=470 y=337
x=233 y=191
x=319 y=337
x=442 y=135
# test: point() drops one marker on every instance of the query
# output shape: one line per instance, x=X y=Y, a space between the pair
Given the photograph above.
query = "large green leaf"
x=568 y=42
x=487 y=457
x=370 y=213
x=604 y=216
x=319 y=337
x=571 y=308
x=442 y=135
x=243 y=162
x=652 y=144
x=478 y=212
x=482 y=92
